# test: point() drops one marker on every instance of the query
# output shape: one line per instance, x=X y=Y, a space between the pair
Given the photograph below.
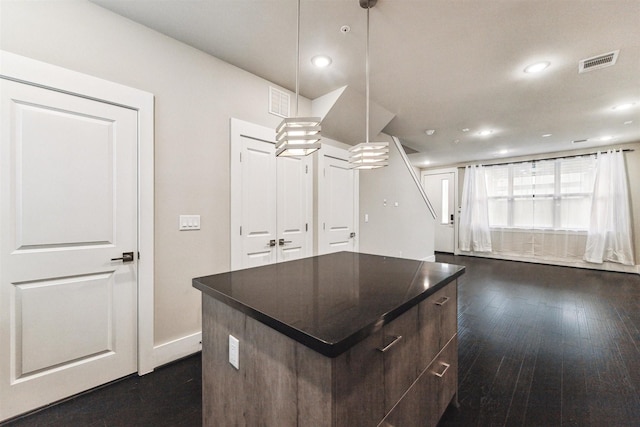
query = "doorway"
x=441 y=188
x=71 y=284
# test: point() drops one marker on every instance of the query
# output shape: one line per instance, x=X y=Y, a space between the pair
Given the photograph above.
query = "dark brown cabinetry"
x=336 y=340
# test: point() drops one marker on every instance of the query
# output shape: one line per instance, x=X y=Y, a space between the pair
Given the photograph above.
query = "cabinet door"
x=358 y=389
x=400 y=356
x=437 y=323
x=429 y=396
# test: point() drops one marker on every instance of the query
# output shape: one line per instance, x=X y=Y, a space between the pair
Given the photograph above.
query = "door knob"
x=281 y=242
x=126 y=257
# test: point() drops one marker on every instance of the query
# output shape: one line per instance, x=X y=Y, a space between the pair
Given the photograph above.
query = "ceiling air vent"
x=278 y=102
x=597 y=62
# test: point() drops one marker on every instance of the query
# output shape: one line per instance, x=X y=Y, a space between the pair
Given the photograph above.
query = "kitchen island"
x=344 y=339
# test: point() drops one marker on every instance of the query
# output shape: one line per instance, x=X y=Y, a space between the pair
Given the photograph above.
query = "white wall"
x=403 y=231
x=195 y=96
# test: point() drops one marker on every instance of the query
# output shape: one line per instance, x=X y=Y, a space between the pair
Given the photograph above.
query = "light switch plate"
x=189 y=222
x=234 y=351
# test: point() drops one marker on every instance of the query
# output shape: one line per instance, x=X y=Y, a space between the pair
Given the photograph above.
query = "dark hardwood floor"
x=546 y=346
x=538 y=345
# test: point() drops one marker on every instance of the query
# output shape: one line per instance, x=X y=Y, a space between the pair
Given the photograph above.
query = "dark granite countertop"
x=329 y=302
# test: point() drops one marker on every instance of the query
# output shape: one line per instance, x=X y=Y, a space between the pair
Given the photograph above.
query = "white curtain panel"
x=610 y=230
x=474 y=230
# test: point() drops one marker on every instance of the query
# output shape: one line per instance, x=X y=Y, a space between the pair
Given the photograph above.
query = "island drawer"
x=437 y=323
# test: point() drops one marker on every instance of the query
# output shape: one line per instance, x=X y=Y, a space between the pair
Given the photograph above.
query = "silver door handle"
x=272 y=242
x=126 y=257
x=352 y=235
x=281 y=242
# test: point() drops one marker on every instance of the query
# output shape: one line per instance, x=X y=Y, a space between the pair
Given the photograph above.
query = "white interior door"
x=293 y=210
x=258 y=234
x=68 y=201
x=440 y=189
x=271 y=200
x=338 y=202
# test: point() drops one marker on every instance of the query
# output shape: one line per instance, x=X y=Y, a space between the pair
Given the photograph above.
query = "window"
x=547 y=194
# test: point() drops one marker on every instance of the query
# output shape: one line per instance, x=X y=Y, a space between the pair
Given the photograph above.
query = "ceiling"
x=445 y=65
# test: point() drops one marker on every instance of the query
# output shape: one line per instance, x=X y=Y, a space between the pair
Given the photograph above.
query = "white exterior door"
x=338 y=202
x=440 y=189
x=271 y=200
x=68 y=206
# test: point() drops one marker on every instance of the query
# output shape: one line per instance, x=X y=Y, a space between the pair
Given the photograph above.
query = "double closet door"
x=271 y=200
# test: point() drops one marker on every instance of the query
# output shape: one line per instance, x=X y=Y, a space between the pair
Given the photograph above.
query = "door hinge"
x=138 y=255
x=241 y=157
x=241 y=230
x=323 y=226
x=306 y=168
x=306 y=227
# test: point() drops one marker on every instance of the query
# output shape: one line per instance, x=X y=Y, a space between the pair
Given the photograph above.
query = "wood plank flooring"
x=546 y=346
x=538 y=346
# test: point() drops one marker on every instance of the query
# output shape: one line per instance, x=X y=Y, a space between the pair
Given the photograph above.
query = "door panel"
x=293 y=206
x=258 y=202
x=68 y=206
x=339 y=206
x=440 y=190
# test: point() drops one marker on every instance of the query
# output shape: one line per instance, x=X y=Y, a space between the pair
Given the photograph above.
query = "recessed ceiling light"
x=546 y=135
x=628 y=122
x=430 y=131
x=623 y=107
x=537 y=67
x=426 y=163
x=503 y=152
x=321 y=61
x=606 y=138
x=485 y=132
x=465 y=130
x=455 y=141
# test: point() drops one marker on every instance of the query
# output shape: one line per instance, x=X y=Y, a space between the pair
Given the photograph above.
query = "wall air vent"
x=597 y=62
x=278 y=102
x=578 y=141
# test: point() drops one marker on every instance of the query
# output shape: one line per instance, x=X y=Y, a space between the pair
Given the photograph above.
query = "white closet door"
x=271 y=200
x=338 y=203
x=293 y=207
x=68 y=204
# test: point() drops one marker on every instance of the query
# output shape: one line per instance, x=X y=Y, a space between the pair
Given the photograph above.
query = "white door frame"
x=342 y=154
x=456 y=206
x=32 y=72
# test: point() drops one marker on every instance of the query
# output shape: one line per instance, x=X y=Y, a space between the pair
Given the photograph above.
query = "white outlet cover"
x=234 y=351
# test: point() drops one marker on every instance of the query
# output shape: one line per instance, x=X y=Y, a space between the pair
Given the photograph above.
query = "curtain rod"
x=626 y=150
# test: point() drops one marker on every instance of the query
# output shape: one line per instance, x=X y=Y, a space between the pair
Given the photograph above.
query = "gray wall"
x=402 y=231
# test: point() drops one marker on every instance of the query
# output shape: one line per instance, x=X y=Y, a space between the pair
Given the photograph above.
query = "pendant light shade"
x=298 y=136
x=368 y=155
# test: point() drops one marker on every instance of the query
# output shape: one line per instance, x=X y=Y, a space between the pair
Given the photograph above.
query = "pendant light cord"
x=297 y=57
x=367 y=75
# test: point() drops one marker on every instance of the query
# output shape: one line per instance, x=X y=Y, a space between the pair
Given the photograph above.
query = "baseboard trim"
x=431 y=258
x=177 y=349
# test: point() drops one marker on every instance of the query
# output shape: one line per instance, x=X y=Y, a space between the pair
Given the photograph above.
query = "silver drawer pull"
x=441 y=374
x=391 y=344
x=442 y=301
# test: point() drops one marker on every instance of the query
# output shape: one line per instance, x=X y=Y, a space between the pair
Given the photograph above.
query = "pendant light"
x=298 y=136
x=368 y=155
